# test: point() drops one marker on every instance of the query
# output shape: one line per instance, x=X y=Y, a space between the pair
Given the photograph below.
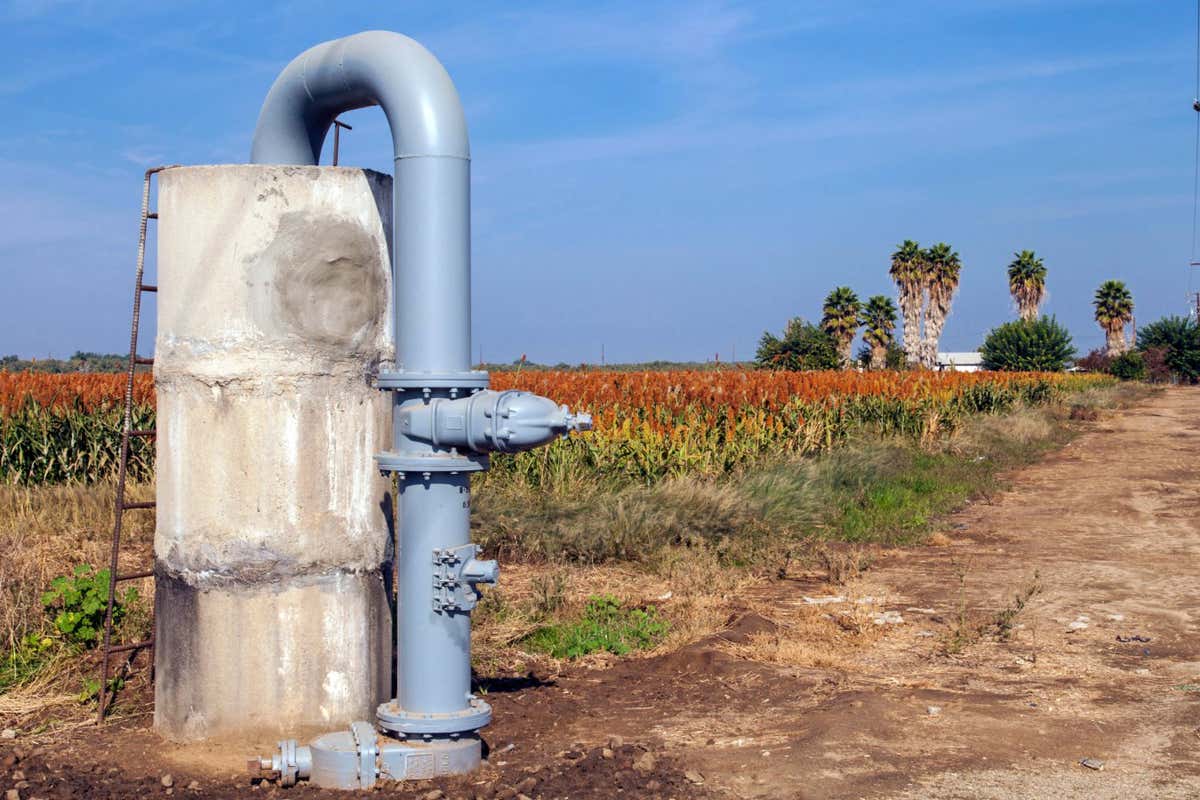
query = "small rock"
x=18 y=775
x=607 y=753
x=645 y=762
x=8 y=733
x=524 y=797
x=12 y=794
x=167 y=780
x=1077 y=625
x=933 y=711
x=888 y=618
x=527 y=785
x=1092 y=763
x=194 y=785
x=693 y=776
x=1116 y=617
x=652 y=785
x=170 y=791
x=615 y=742
x=436 y=794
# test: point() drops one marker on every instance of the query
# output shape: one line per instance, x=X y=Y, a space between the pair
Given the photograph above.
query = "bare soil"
x=962 y=691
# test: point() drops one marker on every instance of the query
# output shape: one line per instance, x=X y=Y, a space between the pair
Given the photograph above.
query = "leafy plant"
x=1128 y=367
x=606 y=626
x=91 y=688
x=78 y=603
x=1179 y=338
x=22 y=662
x=1039 y=346
x=803 y=347
x=1095 y=361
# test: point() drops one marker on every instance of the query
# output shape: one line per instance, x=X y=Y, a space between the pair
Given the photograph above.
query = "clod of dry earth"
x=1109 y=527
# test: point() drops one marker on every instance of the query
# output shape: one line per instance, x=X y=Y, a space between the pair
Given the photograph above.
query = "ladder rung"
x=148 y=432
x=142 y=360
x=148 y=287
x=122 y=648
x=133 y=576
x=135 y=506
x=152 y=215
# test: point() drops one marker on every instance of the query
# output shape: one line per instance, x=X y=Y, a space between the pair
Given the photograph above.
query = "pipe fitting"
x=489 y=421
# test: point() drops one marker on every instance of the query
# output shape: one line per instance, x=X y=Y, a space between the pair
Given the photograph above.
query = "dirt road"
x=1102 y=663
x=1059 y=623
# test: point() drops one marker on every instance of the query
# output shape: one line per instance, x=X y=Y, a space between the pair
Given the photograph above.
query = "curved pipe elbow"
x=371 y=68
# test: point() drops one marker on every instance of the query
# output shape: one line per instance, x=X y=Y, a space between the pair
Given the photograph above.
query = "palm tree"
x=1114 y=308
x=944 y=265
x=908 y=270
x=840 y=319
x=1027 y=283
x=879 y=318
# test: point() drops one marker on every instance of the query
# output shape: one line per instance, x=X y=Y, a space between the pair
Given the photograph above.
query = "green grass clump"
x=606 y=626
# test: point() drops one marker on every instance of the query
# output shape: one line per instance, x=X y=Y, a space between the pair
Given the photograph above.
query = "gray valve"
x=488 y=421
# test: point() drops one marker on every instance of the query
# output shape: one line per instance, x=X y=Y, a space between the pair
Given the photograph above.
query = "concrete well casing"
x=273 y=524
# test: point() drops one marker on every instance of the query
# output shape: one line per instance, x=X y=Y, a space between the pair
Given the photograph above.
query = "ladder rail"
x=127 y=433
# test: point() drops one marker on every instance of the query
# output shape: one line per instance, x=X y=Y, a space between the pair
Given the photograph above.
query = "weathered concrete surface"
x=274 y=312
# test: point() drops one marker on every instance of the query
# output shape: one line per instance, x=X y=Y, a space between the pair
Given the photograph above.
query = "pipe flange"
x=435 y=462
x=391 y=717
x=404 y=379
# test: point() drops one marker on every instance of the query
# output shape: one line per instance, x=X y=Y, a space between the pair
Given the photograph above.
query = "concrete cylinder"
x=273 y=523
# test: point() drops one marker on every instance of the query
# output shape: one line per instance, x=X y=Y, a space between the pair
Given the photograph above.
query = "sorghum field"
x=649 y=425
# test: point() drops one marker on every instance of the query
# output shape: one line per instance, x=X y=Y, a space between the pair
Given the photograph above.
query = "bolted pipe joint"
x=489 y=421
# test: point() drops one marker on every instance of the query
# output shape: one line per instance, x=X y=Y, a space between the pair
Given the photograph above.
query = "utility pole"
x=602 y=354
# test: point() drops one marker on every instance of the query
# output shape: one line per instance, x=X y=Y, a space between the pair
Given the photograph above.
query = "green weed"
x=606 y=626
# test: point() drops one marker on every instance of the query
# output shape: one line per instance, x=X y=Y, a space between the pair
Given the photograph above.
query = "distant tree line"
x=80 y=361
x=926 y=280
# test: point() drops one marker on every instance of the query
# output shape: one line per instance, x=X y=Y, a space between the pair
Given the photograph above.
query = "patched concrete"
x=274 y=313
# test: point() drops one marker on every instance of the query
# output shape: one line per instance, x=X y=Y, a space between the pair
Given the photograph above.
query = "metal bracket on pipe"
x=456 y=572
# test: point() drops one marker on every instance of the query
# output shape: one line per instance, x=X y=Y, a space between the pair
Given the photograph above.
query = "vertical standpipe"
x=445 y=420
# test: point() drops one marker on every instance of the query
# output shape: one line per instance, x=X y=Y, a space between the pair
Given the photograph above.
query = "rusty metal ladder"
x=127 y=434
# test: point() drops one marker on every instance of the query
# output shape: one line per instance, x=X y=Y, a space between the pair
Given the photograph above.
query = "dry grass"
x=46 y=530
x=813 y=636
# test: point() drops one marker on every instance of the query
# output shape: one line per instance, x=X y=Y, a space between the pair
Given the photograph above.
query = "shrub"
x=605 y=627
x=804 y=346
x=1128 y=367
x=1179 y=338
x=1157 y=369
x=79 y=602
x=1040 y=345
x=1097 y=360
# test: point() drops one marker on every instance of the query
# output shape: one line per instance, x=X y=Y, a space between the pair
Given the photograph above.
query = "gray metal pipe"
x=445 y=420
x=431 y=254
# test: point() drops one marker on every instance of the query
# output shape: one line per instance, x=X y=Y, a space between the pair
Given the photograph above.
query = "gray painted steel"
x=445 y=420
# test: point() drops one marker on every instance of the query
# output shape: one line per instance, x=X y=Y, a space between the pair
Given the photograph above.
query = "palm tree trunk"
x=845 y=351
x=1115 y=340
x=935 y=321
x=1028 y=312
x=878 y=356
x=910 y=308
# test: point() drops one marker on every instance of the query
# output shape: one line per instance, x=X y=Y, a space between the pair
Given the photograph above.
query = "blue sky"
x=665 y=180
